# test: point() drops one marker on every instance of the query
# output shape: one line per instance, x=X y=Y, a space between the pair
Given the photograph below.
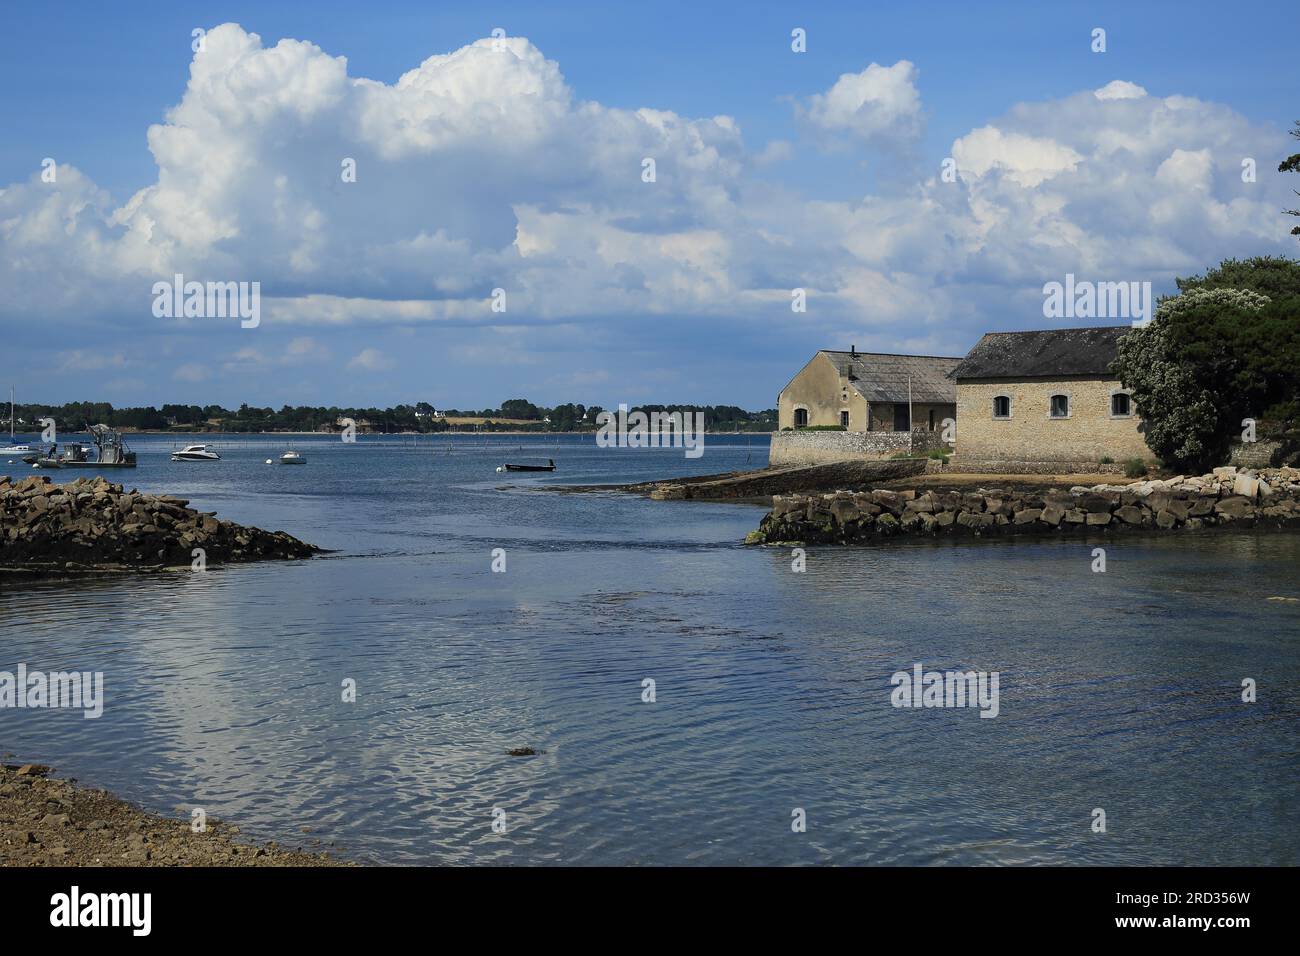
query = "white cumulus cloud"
x=482 y=169
x=1119 y=90
x=370 y=360
x=879 y=100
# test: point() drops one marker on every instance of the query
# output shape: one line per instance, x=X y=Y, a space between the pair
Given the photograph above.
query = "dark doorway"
x=902 y=420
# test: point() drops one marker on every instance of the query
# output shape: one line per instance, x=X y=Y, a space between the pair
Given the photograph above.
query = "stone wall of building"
x=820 y=390
x=1089 y=434
x=1009 y=466
x=816 y=447
x=882 y=415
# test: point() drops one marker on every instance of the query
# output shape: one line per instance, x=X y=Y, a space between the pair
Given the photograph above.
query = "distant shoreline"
x=179 y=434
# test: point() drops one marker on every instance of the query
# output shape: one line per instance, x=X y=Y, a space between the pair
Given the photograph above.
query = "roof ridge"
x=1072 y=328
x=892 y=354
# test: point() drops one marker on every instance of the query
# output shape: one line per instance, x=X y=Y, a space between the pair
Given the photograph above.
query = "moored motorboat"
x=195 y=453
x=549 y=466
x=293 y=458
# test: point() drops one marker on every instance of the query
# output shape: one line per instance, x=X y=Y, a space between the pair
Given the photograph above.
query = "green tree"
x=519 y=408
x=1273 y=276
x=1214 y=355
x=1292 y=165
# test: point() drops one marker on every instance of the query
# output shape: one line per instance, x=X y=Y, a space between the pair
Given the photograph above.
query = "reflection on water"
x=223 y=690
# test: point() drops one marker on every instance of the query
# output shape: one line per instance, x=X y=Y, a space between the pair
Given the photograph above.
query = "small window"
x=1002 y=406
x=932 y=419
x=1060 y=406
x=844 y=420
x=1121 y=406
x=800 y=417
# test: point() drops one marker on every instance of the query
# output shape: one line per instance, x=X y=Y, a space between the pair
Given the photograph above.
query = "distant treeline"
x=517 y=414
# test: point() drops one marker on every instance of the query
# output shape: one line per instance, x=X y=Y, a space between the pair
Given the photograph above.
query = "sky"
x=920 y=172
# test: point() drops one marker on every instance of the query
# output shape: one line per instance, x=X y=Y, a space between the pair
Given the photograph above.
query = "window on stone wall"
x=1060 y=406
x=844 y=420
x=1002 y=406
x=1121 y=405
x=800 y=417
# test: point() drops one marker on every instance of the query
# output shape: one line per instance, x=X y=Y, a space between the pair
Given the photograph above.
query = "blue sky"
x=522 y=171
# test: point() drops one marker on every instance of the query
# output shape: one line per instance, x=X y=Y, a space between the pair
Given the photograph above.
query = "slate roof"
x=879 y=377
x=1046 y=353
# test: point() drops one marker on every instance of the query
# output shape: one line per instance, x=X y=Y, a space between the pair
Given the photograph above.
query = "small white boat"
x=195 y=453
x=293 y=458
x=12 y=448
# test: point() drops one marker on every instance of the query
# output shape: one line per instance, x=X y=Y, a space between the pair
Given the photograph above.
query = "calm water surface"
x=1118 y=690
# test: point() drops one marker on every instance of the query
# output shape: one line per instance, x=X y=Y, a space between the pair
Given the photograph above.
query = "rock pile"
x=90 y=524
x=1266 y=498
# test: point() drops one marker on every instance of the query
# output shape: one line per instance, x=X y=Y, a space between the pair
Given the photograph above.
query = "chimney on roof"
x=853 y=351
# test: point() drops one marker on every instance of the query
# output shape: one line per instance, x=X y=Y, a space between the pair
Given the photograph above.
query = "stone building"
x=1045 y=398
x=869 y=392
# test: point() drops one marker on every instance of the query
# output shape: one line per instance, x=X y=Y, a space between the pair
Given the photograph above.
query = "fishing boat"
x=113 y=452
x=293 y=458
x=195 y=453
x=549 y=466
x=75 y=455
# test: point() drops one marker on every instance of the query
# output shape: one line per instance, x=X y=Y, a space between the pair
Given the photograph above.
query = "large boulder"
x=1236 y=507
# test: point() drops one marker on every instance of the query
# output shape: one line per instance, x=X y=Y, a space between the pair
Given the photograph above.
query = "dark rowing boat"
x=550 y=466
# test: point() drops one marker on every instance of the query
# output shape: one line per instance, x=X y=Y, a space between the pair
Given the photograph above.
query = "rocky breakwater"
x=1268 y=498
x=90 y=525
x=769 y=481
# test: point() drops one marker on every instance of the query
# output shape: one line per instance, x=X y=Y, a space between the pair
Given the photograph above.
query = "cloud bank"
x=481 y=170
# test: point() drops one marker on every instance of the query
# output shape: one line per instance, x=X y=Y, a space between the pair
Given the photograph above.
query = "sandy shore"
x=50 y=822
